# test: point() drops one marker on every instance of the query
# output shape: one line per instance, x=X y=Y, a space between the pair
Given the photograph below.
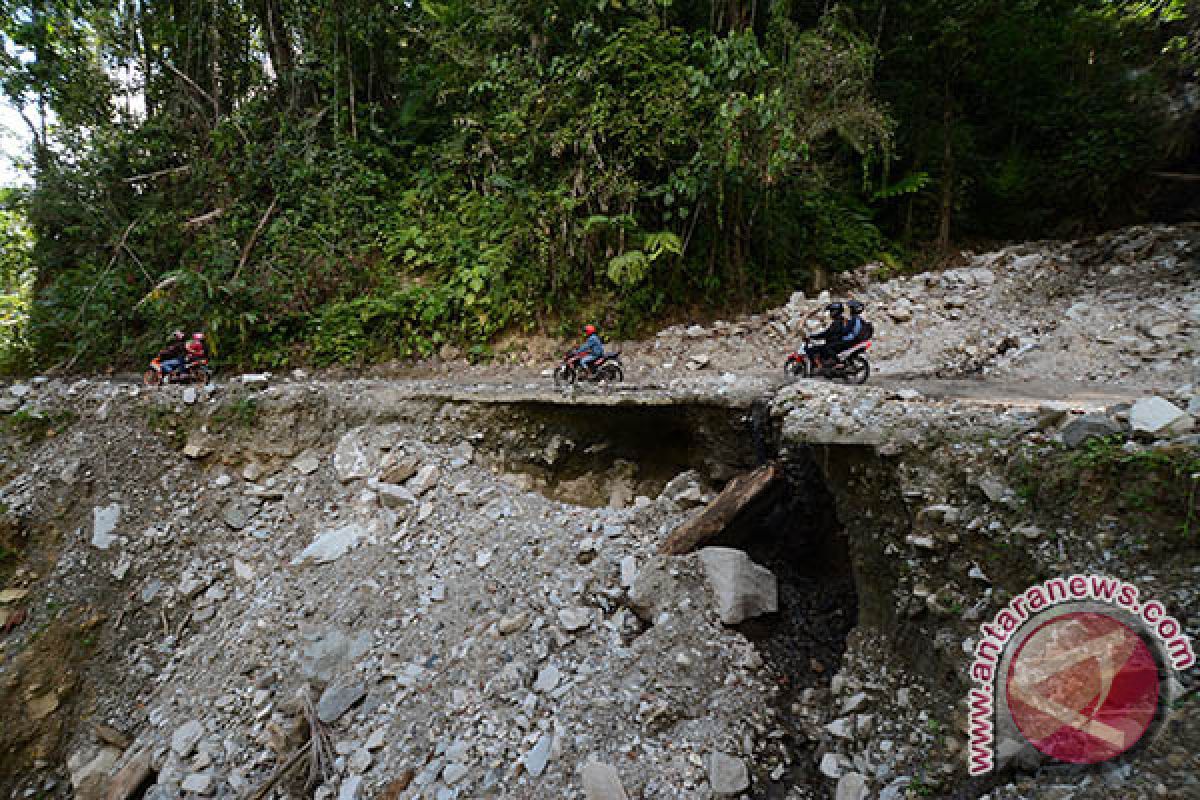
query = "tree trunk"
x=943 y=240
x=734 y=499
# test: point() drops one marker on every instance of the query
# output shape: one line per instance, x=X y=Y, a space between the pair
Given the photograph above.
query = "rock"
x=512 y=623
x=1024 y=263
x=602 y=782
x=851 y=786
x=547 y=679
x=400 y=471
x=136 y=772
x=306 y=464
x=699 y=361
x=1080 y=429
x=993 y=488
x=200 y=783
x=426 y=478
x=842 y=728
x=900 y=313
x=331 y=545
x=695 y=332
x=42 y=705
x=350 y=787
x=337 y=700
x=185 y=738
x=9 y=404
x=393 y=496
x=1156 y=416
x=727 y=776
x=10 y=596
x=236 y=515
x=855 y=702
x=1029 y=531
x=536 y=759
x=19 y=390
x=189 y=395
x=629 y=571
x=742 y=588
x=89 y=776
x=574 y=619
x=198 y=446
x=831 y=765
x=256 y=380
x=454 y=772
x=242 y=570
x=104 y=522
x=354 y=458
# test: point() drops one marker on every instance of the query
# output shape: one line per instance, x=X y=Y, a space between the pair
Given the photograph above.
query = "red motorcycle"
x=850 y=365
x=605 y=369
x=194 y=371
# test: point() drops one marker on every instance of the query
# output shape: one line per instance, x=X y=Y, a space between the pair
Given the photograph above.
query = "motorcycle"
x=850 y=365
x=196 y=371
x=605 y=369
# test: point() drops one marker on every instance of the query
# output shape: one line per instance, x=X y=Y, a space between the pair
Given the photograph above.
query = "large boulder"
x=1158 y=417
x=742 y=588
x=1080 y=429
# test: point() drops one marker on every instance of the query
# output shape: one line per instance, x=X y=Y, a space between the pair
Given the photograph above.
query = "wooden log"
x=716 y=517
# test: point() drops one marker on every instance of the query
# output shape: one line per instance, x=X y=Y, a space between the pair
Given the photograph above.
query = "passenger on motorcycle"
x=841 y=334
x=197 y=349
x=594 y=347
x=172 y=356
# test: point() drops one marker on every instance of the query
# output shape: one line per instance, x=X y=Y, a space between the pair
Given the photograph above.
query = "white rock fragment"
x=742 y=588
x=727 y=775
x=602 y=782
x=104 y=522
x=331 y=545
x=538 y=757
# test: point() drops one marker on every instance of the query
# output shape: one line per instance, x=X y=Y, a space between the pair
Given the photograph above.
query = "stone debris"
x=476 y=600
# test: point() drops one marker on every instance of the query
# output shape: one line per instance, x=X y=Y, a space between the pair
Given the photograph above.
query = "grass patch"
x=1153 y=489
x=33 y=427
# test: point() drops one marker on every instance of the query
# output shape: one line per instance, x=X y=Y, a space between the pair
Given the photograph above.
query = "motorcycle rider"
x=172 y=357
x=197 y=349
x=594 y=347
x=841 y=334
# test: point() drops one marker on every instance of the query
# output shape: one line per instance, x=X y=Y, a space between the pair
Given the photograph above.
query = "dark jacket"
x=173 y=350
x=843 y=331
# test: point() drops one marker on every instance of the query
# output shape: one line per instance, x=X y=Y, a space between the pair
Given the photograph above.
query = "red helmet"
x=199 y=337
x=589 y=329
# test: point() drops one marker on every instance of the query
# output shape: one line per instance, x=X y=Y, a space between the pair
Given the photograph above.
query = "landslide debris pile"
x=196 y=585
x=1123 y=308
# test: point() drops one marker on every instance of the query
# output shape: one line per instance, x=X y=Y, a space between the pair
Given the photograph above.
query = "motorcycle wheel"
x=796 y=369
x=152 y=377
x=564 y=376
x=858 y=369
x=611 y=372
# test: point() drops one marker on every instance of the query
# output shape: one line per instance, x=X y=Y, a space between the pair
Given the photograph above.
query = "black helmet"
x=835 y=309
x=856 y=307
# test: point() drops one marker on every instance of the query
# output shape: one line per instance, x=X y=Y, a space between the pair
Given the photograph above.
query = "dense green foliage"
x=344 y=182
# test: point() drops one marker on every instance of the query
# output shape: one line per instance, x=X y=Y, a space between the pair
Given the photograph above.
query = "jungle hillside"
x=318 y=182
